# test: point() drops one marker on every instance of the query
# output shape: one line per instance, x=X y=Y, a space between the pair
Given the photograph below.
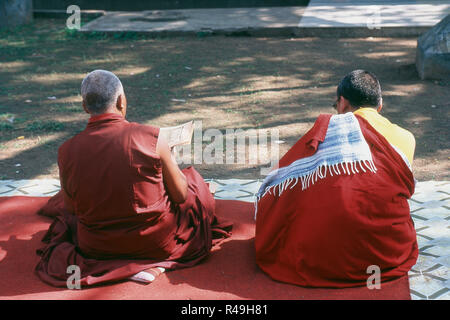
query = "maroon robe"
x=330 y=233
x=121 y=219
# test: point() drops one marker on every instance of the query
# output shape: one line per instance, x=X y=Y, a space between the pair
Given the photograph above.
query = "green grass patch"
x=45 y=126
x=5 y=126
x=6 y=116
x=66 y=109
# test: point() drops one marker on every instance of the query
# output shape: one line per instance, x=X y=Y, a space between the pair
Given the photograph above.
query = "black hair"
x=361 y=88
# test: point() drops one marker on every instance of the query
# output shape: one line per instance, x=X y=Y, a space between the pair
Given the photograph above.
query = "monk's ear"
x=380 y=106
x=85 y=108
x=121 y=104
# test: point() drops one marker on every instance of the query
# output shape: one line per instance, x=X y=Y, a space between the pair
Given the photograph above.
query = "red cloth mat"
x=229 y=273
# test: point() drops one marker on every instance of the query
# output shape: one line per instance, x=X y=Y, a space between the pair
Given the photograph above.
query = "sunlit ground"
x=227 y=82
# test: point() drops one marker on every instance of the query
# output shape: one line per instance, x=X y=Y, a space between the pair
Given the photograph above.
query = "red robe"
x=122 y=219
x=330 y=233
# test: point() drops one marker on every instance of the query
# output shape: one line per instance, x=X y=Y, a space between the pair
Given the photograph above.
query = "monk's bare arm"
x=173 y=177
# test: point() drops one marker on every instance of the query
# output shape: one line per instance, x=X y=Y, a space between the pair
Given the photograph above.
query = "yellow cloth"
x=400 y=138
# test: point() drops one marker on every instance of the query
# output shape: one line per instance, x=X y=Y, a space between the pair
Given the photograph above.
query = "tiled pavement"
x=430 y=210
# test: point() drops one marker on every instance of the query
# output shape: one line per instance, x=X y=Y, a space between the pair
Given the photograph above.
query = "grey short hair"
x=100 y=90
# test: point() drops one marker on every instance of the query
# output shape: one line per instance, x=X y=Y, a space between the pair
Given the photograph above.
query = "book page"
x=178 y=135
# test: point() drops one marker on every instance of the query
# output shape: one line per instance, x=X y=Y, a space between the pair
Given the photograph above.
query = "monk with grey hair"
x=124 y=206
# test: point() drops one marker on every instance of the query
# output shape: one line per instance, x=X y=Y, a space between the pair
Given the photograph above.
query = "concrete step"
x=321 y=18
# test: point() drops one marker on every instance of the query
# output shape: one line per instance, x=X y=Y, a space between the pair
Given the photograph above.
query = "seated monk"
x=124 y=205
x=336 y=204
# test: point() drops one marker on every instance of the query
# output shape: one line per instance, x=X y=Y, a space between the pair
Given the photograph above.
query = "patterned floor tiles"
x=430 y=210
x=31 y=188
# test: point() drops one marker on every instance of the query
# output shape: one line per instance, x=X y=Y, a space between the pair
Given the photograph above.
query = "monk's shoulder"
x=66 y=146
x=138 y=129
x=143 y=137
x=405 y=132
x=399 y=131
x=410 y=140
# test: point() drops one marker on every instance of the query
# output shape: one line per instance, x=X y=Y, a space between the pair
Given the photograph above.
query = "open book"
x=178 y=135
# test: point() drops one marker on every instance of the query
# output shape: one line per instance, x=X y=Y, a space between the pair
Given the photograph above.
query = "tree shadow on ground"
x=227 y=82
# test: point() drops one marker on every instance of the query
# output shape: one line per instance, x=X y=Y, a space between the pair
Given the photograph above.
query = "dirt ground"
x=227 y=82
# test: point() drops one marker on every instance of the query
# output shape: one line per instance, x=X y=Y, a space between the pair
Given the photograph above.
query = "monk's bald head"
x=100 y=90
